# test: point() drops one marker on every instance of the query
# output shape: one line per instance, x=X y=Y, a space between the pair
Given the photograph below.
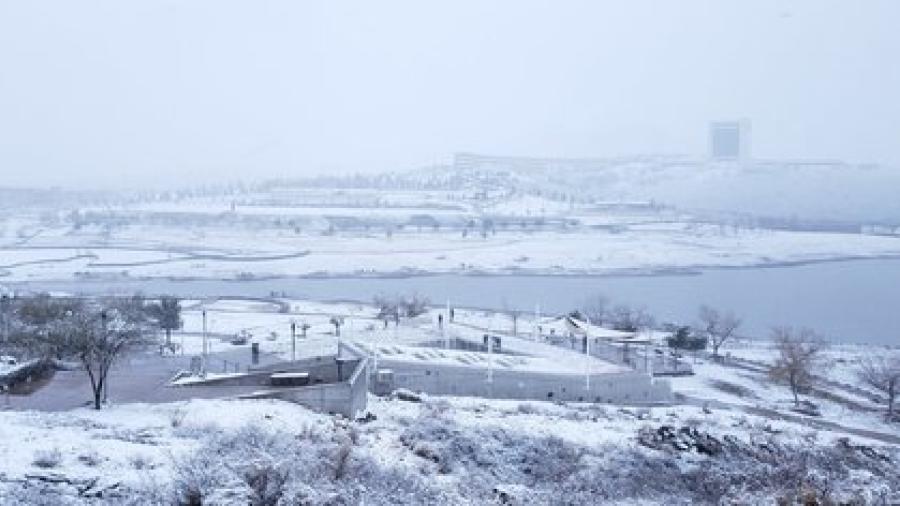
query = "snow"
x=119 y=434
x=610 y=219
x=139 y=444
x=598 y=238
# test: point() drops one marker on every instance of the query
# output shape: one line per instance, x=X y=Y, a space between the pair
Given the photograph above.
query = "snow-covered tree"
x=798 y=353
x=167 y=315
x=883 y=374
x=718 y=326
x=99 y=336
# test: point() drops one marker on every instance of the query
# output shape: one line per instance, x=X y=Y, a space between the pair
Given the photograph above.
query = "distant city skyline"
x=168 y=93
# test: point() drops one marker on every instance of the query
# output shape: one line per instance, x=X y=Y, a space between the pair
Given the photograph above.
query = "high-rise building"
x=729 y=140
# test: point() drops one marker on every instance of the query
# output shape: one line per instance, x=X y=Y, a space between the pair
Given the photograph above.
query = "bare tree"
x=596 y=308
x=798 y=353
x=719 y=327
x=883 y=374
x=414 y=306
x=387 y=307
x=41 y=325
x=630 y=319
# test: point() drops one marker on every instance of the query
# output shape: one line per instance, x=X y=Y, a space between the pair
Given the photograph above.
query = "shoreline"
x=624 y=272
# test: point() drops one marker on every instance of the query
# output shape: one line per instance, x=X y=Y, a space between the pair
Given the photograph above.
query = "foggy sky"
x=169 y=93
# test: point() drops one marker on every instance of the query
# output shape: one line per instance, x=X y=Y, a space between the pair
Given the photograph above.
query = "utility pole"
x=293 y=341
x=444 y=330
x=587 y=352
x=4 y=312
x=647 y=352
x=203 y=351
x=104 y=377
x=490 y=348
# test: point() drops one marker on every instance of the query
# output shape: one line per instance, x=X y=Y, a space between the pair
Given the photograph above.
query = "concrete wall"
x=627 y=387
x=329 y=394
x=347 y=398
x=320 y=370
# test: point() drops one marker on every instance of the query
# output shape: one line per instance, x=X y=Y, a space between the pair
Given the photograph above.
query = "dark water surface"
x=852 y=301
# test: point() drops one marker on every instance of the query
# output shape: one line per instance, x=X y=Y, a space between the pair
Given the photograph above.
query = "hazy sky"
x=131 y=93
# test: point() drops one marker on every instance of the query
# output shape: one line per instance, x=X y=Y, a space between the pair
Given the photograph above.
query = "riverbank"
x=674 y=248
x=850 y=300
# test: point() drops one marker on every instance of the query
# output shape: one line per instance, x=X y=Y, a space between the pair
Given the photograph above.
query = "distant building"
x=729 y=140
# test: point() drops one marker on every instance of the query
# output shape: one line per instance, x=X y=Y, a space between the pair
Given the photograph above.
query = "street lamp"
x=293 y=341
x=203 y=351
x=4 y=308
x=103 y=320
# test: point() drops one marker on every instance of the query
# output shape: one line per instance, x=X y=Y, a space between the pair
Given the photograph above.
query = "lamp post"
x=587 y=352
x=293 y=341
x=103 y=320
x=203 y=350
x=4 y=309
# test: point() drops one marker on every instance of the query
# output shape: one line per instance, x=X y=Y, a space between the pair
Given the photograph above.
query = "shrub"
x=90 y=458
x=140 y=461
x=176 y=417
x=47 y=458
x=685 y=339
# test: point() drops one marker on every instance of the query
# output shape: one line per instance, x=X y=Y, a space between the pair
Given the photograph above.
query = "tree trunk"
x=98 y=394
x=794 y=391
x=891 y=393
x=169 y=338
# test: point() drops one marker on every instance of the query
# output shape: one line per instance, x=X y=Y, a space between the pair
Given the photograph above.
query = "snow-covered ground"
x=450 y=450
x=460 y=450
x=503 y=223
x=727 y=383
x=143 y=253
x=140 y=453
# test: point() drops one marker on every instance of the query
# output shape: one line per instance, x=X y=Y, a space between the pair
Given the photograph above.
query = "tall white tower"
x=729 y=140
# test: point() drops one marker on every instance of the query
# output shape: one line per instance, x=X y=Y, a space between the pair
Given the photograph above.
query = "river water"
x=852 y=301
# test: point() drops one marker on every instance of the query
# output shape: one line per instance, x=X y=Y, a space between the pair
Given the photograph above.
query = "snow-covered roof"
x=560 y=364
x=567 y=324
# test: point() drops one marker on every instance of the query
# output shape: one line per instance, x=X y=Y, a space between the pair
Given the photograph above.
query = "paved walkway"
x=141 y=377
x=816 y=423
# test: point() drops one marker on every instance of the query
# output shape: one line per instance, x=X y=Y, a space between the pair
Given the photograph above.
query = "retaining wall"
x=625 y=387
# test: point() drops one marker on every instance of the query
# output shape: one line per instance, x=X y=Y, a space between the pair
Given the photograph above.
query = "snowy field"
x=199 y=254
x=838 y=365
x=451 y=450
x=498 y=223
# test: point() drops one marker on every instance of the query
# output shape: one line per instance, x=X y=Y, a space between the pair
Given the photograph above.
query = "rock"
x=682 y=440
x=511 y=493
x=406 y=395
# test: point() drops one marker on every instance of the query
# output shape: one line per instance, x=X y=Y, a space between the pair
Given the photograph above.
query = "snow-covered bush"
x=140 y=461
x=260 y=467
x=491 y=455
x=414 y=305
x=90 y=458
x=176 y=417
x=47 y=458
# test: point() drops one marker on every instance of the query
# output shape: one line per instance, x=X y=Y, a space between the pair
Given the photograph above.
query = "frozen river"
x=854 y=301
